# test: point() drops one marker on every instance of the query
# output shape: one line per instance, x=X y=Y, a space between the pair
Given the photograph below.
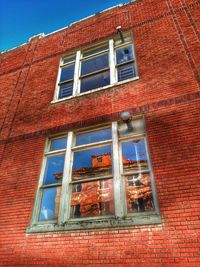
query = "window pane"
x=124 y=54
x=94 y=136
x=138 y=193
x=68 y=60
x=59 y=143
x=66 y=90
x=126 y=72
x=54 y=169
x=50 y=204
x=95 y=81
x=134 y=156
x=94 y=51
x=92 y=163
x=94 y=64
x=92 y=199
x=67 y=73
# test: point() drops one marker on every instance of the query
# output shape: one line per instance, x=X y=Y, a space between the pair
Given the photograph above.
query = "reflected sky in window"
x=94 y=136
x=134 y=150
x=54 y=169
x=47 y=210
x=59 y=143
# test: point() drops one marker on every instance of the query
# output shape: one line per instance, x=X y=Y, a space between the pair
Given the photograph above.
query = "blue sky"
x=21 y=19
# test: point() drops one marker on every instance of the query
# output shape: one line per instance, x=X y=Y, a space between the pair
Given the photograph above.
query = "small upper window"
x=96 y=67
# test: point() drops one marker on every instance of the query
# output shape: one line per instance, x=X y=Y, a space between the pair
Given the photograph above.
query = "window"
x=97 y=177
x=97 y=66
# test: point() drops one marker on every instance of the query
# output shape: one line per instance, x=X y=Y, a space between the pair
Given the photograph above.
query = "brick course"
x=167 y=44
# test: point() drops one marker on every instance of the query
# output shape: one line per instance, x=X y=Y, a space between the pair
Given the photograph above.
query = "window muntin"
x=94 y=176
x=97 y=67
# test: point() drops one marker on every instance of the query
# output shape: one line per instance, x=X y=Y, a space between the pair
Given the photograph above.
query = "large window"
x=96 y=67
x=96 y=177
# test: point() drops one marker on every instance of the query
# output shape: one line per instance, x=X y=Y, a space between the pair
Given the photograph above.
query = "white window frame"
x=112 y=68
x=121 y=216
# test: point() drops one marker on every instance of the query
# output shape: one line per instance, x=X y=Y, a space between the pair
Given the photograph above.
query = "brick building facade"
x=144 y=210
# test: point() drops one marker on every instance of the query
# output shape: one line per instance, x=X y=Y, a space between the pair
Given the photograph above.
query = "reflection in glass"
x=67 y=73
x=95 y=81
x=93 y=136
x=134 y=156
x=138 y=193
x=92 y=163
x=126 y=71
x=59 y=143
x=50 y=204
x=124 y=54
x=54 y=169
x=66 y=89
x=92 y=199
x=94 y=64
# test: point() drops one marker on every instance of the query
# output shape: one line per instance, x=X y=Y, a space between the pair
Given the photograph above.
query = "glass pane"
x=59 y=143
x=126 y=72
x=68 y=60
x=95 y=81
x=54 y=169
x=94 y=64
x=50 y=204
x=67 y=73
x=92 y=163
x=92 y=199
x=134 y=156
x=138 y=193
x=94 y=136
x=66 y=90
x=124 y=54
x=94 y=51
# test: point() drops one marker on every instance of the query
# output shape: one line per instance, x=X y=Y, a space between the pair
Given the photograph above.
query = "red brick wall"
x=167 y=43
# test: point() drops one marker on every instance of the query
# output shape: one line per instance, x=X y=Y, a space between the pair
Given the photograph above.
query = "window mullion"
x=119 y=194
x=112 y=62
x=76 y=87
x=65 y=193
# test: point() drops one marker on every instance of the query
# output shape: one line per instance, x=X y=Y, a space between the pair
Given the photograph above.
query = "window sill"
x=95 y=90
x=96 y=223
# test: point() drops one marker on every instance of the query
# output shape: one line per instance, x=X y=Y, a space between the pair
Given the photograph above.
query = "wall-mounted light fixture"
x=119 y=30
x=126 y=117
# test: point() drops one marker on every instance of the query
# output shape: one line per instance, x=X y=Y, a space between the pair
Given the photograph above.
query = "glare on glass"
x=134 y=156
x=94 y=64
x=92 y=163
x=92 y=199
x=95 y=81
x=50 y=204
x=138 y=193
x=54 y=169
x=59 y=143
x=94 y=136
